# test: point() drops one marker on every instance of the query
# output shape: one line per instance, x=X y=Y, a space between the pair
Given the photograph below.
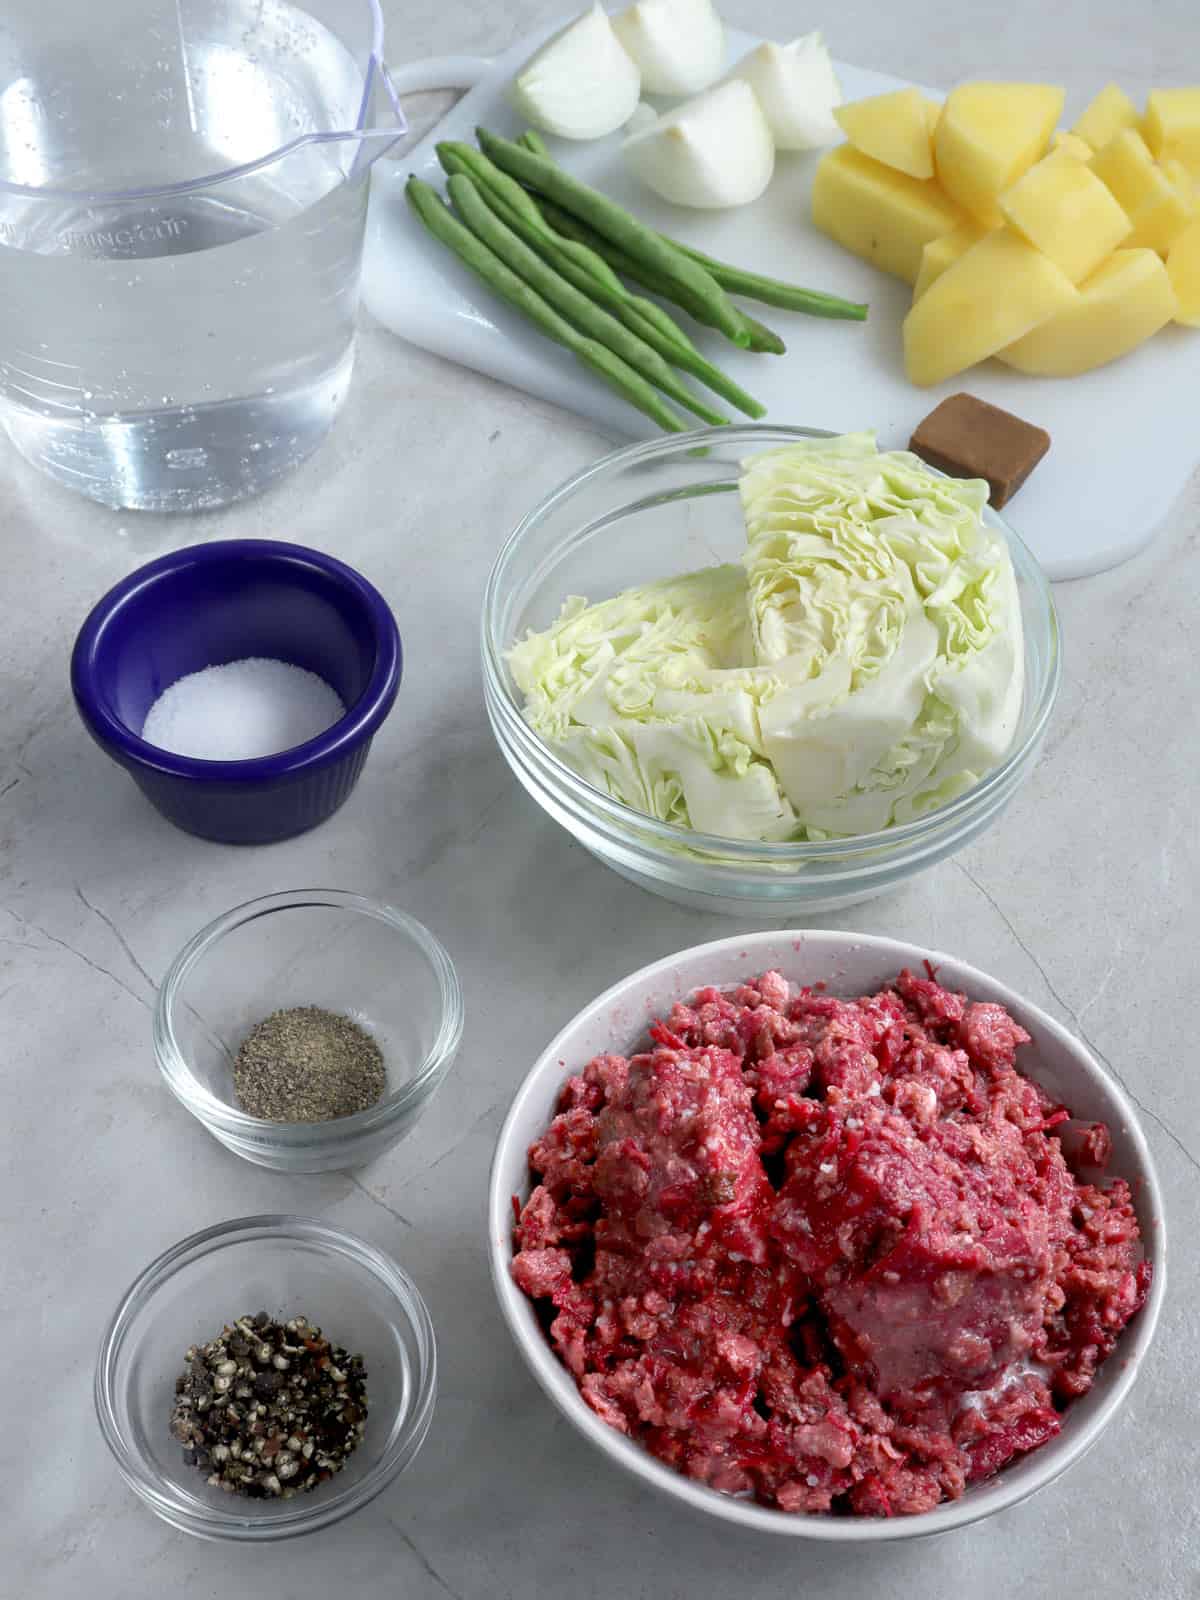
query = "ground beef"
x=828 y=1253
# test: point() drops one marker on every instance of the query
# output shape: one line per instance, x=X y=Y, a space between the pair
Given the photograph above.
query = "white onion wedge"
x=713 y=151
x=678 y=45
x=797 y=88
x=643 y=116
x=581 y=84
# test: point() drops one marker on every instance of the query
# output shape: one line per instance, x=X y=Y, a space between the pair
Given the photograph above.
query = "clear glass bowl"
x=284 y=1266
x=309 y=947
x=655 y=510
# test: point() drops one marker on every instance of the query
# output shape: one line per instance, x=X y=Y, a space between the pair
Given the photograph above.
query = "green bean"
x=758 y=337
x=533 y=141
x=446 y=228
x=489 y=176
x=636 y=314
x=606 y=289
x=590 y=319
x=667 y=327
x=619 y=227
x=458 y=157
x=516 y=202
x=761 y=338
x=587 y=270
x=773 y=292
x=752 y=285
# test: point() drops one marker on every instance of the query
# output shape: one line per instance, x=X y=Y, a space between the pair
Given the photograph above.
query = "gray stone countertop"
x=1085 y=897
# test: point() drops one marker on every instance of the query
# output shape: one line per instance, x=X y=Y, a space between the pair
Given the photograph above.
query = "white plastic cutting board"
x=1124 y=438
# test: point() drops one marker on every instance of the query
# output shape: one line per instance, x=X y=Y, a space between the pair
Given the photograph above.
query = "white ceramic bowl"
x=852 y=964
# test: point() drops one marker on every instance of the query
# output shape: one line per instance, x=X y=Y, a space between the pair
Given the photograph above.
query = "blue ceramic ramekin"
x=215 y=603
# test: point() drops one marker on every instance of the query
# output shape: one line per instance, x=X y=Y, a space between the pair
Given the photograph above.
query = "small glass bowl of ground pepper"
x=181 y=1322
x=308 y=1031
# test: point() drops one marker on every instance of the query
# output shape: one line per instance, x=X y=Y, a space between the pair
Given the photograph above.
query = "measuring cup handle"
x=437 y=72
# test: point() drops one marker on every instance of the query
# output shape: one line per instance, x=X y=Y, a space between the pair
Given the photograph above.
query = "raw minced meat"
x=827 y=1253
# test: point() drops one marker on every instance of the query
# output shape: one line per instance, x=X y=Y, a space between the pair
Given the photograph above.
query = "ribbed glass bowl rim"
x=411 y=1311
x=620 y=820
x=307 y=1135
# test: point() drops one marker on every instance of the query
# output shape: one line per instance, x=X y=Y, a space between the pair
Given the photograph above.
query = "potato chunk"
x=878 y=213
x=892 y=128
x=941 y=253
x=1062 y=207
x=988 y=135
x=1121 y=305
x=1105 y=117
x=1073 y=145
x=1159 y=203
x=1172 y=126
x=992 y=295
x=1183 y=268
x=1127 y=167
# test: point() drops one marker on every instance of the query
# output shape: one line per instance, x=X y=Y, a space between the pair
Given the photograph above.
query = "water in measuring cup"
x=179 y=354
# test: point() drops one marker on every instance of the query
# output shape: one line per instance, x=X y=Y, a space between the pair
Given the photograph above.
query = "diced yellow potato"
x=1183 y=268
x=1127 y=167
x=1160 y=204
x=1160 y=222
x=1073 y=145
x=1062 y=207
x=988 y=135
x=1121 y=305
x=892 y=128
x=1172 y=125
x=878 y=213
x=941 y=253
x=992 y=295
x=1106 y=115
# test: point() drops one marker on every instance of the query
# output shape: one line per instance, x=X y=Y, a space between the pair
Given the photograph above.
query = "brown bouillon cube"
x=968 y=438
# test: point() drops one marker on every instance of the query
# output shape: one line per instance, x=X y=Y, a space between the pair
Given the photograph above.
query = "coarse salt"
x=242 y=710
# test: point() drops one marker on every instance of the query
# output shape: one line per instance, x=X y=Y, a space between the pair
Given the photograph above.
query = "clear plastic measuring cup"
x=183 y=189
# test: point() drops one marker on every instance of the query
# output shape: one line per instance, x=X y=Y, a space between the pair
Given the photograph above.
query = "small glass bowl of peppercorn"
x=266 y=1377
x=308 y=1031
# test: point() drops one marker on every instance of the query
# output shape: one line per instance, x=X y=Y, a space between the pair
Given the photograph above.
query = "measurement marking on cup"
x=193 y=121
x=102 y=239
x=182 y=460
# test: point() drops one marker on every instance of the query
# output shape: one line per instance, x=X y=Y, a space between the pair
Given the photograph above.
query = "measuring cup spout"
x=375 y=142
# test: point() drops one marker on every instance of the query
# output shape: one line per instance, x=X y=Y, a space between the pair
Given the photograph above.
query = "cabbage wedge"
x=863 y=665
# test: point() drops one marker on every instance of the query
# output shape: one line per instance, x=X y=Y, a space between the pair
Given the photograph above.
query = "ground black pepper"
x=308 y=1065
x=267 y=1409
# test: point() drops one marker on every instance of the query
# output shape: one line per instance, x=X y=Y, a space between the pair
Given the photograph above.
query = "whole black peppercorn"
x=300 y=1419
